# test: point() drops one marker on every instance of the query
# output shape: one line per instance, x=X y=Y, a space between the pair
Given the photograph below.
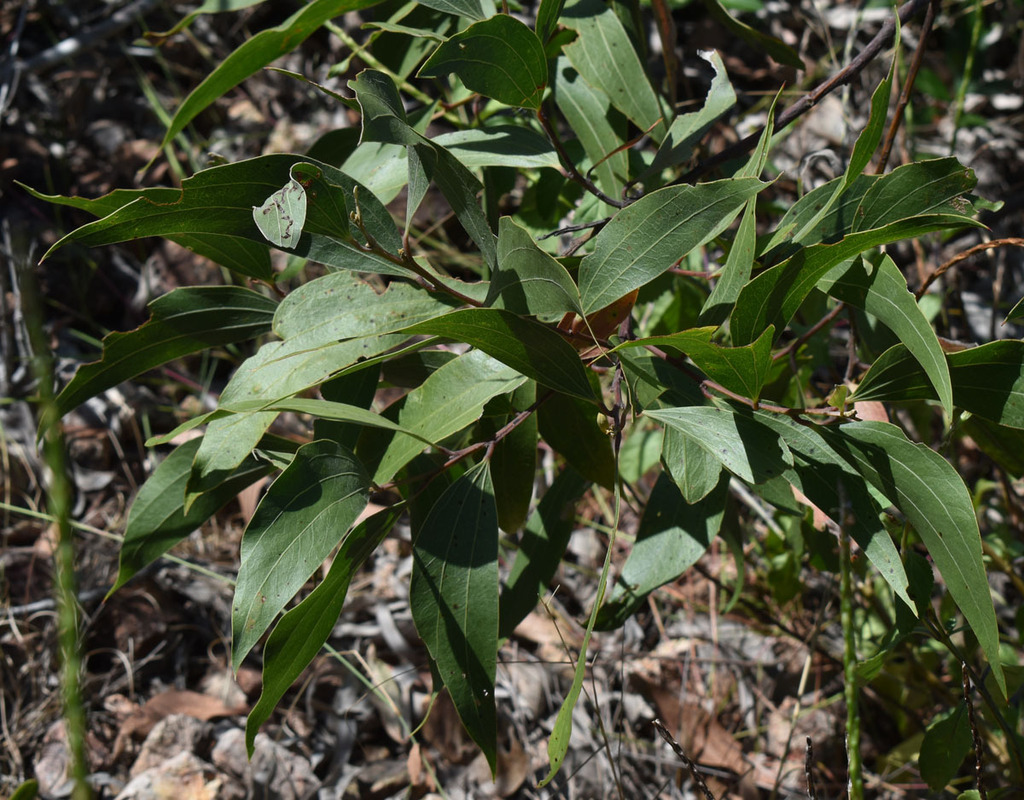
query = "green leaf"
x=688 y=129
x=547 y=18
x=945 y=745
x=933 y=497
x=453 y=593
x=157 y=520
x=777 y=49
x=871 y=136
x=987 y=380
x=303 y=516
x=739 y=264
x=500 y=146
x=181 y=322
x=744 y=446
x=672 y=537
x=646 y=238
x=604 y=56
x=301 y=632
x=837 y=489
x=255 y=53
x=514 y=464
x=600 y=129
x=541 y=547
x=528 y=280
x=570 y=426
x=877 y=286
x=500 y=58
x=523 y=344
x=473 y=9
x=283 y=214
x=742 y=370
x=450 y=399
x=1016 y=313
x=208 y=7
x=695 y=470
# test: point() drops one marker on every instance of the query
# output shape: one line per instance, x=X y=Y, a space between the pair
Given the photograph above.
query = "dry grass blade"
x=690 y=766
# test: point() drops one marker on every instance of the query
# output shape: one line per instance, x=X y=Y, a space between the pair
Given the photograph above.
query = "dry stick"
x=901 y=104
x=678 y=750
x=1010 y=241
x=809 y=100
x=812 y=790
x=978 y=752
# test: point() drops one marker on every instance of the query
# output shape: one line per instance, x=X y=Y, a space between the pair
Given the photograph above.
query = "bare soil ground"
x=746 y=691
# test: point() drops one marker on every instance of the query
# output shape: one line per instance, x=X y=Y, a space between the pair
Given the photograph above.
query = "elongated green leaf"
x=744 y=446
x=773 y=297
x=688 y=129
x=523 y=344
x=157 y=520
x=605 y=57
x=738 y=266
x=933 y=497
x=543 y=542
x=528 y=280
x=871 y=136
x=500 y=58
x=181 y=322
x=255 y=53
x=1016 y=313
x=453 y=594
x=646 y=238
x=301 y=632
x=570 y=426
x=837 y=489
x=303 y=516
x=514 y=464
x=759 y=40
x=987 y=380
x=878 y=287
x=599 y=127
x=548 y=13
x=672 y=537
x=450 y=399
x=108 y=203
x=945 y=745
x=500 y=146
x=919 y=188
x=695 y=470
x=460 y=8
x=208 y=7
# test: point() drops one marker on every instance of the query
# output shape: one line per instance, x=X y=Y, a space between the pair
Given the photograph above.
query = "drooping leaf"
x=931 y=494
x=570 y=426
x=157 y=519
x=514 y=464
x=744 y=446
x=523 y=344
x=604 y=55
x=500 y=58
x=877 y=286
x=453 y=594
x=543 y=542
x=528 y=280
x=646 y=238
x=301 y=632
x=944 y=747
x=303 y=516
x=283 y=214
x=600 y=129
x=255 y=53
x=181 y=322
x=672 y=537
x=987 y=380
x=450 y=399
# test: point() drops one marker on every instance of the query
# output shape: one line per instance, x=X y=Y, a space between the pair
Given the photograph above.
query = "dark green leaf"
x=460 y=8
x=303 y=516
x=181 y=322
x=919 y=482
x=672 y=537
x=744 y=446
x=500 y=58
x=157 y=520
x=570 y=426
x=777 y=49
x=514 y=464
x=547 y=18
x=523 y=344
x=945 y=745
x=453 y=594
x=302 y=631
x=528 y=280
x=646 y=238
x=877 y=286
x=695 y=470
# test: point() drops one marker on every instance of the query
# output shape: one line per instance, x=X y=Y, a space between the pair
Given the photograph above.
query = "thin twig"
x=1009 y=241
x=978 y=748
x=570 y=168
x=812 y=98
x=690 y=766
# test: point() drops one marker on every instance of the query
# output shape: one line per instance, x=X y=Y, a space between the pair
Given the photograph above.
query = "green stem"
x=855 y=782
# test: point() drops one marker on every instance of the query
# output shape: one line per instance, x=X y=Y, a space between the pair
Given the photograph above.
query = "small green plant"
x=552 y=127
